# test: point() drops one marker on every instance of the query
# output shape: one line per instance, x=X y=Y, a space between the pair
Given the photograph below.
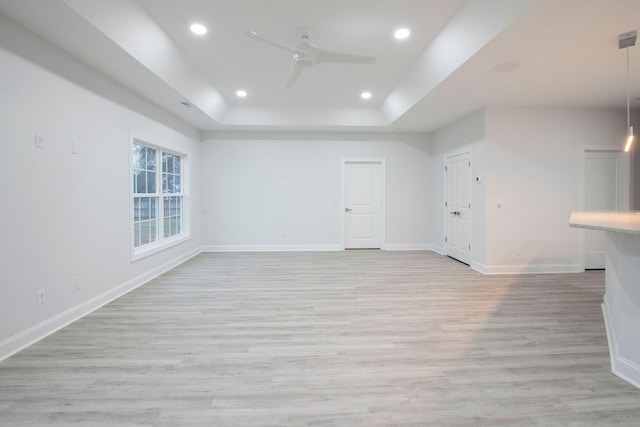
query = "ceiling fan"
x=306 y=55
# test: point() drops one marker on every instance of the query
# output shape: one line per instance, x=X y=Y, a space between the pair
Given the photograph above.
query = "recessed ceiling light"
x=365 y=95
x=198 y=29
x=241 y=93
x=402 y=33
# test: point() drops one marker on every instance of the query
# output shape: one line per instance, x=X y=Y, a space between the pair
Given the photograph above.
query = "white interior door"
x=458 y=207
x=362 y=205
x=605 y=189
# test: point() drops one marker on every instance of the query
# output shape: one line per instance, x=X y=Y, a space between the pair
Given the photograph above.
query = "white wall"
x=636 y=180
x=529 y=160
x=65 y=215
x=466 y=134
x=283 y=191
x=635 y=170
x=533 y=168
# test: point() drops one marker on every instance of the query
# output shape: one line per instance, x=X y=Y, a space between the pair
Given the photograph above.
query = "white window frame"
x=161 y=243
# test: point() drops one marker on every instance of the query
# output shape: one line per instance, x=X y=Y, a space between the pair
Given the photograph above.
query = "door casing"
x=381 y=216
x=468 y=152
x=626 y=190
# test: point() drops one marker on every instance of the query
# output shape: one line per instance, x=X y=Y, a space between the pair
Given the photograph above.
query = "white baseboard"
x=310 y=248
x=43 y=329
x=271 y=248
x=623 y=368
x=526 y=268
x=408 y=247
x=439 y=250
x=480 y=268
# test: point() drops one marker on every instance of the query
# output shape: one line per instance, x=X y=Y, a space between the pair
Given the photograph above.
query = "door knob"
x=348 y=209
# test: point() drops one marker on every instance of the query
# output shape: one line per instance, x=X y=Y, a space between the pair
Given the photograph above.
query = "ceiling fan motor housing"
x=302 y=61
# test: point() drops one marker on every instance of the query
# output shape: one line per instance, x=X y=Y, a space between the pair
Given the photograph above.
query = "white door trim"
x=445 y=212
x=584 y=149
x=383 y=205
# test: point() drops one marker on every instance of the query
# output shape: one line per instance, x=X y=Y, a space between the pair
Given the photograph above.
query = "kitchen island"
x=621 y=302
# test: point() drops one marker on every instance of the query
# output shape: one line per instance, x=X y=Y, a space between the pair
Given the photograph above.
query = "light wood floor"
x=357 y=338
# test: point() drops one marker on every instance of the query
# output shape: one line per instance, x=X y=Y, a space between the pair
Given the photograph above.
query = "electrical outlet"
x=77 y=284
x=518 y=250
x=42 y=296
x=39 y=141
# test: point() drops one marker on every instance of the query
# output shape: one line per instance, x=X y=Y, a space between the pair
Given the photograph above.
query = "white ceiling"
x=567 y=50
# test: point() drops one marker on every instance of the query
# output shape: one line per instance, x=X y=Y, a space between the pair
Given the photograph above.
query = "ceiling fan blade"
x=330 y=56
x=293 y=76
x=258 y=37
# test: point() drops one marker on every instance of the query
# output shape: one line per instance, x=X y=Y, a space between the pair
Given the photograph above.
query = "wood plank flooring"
x=356 y=338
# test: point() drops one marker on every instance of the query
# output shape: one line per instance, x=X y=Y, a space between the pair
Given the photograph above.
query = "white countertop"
x=621 y=222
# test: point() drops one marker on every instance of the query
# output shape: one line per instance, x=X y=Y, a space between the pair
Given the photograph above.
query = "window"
x=158 y=197
x=172 y=194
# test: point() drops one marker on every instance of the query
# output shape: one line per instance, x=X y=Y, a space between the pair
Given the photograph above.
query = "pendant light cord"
x=628 y=94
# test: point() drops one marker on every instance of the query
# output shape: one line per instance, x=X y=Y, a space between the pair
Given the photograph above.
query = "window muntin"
x=158 y=196
x=145 y=222
x=172 y=216
x=171 y=173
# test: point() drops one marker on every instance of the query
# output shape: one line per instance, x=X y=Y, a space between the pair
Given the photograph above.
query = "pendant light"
x=625 y=41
